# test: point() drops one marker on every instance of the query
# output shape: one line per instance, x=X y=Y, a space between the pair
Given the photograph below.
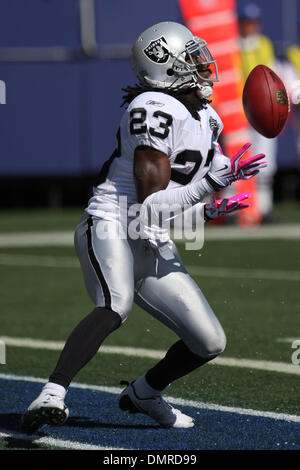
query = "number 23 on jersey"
x=138 y=126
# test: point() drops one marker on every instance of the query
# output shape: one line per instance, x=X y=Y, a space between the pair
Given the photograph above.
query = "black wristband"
x=213 y=183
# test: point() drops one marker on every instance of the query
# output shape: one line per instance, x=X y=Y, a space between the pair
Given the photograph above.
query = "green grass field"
x=45 y=303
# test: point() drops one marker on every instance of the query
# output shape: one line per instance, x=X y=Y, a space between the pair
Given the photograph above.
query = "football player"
x=167 y=154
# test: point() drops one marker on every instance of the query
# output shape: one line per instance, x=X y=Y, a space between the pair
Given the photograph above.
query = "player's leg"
x=174 y=298
x=265 y=179
x=171 y=295
x=107 y=266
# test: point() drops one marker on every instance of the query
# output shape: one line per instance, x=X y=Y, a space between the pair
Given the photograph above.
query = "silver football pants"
x=119 y=271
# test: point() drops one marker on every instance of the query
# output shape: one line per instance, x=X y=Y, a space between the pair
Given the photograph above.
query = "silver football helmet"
x=167 y=55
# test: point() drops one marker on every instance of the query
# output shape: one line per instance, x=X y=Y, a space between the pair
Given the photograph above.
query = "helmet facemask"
x=191 y=62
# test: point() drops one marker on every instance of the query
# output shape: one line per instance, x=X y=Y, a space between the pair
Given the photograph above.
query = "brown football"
x=265 y=101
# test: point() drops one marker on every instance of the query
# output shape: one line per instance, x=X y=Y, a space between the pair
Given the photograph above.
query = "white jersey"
x=160 y=121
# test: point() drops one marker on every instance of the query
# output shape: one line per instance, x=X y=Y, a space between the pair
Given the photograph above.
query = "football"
x=265 y=101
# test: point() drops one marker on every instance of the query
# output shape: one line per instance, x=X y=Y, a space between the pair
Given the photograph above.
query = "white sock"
x=144 y=390
x=55 y=389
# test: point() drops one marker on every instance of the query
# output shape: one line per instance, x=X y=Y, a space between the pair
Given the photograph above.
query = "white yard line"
x=266 y=274
x=203 y=271
x=258 y=365
x=175 y=401
x=26 y=239
x=58 y=345
x=65 y=238
x=287 y=340
x=271 y=366
x=51 y=441
x=263 y=232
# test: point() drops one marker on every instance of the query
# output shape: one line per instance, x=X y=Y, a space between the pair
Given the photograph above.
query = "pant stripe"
x=96 y=265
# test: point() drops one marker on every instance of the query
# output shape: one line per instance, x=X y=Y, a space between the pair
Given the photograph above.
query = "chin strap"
x=180 y=84
x=204 y=90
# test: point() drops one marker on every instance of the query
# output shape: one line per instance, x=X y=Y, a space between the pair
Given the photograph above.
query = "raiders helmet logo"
x=157 y=52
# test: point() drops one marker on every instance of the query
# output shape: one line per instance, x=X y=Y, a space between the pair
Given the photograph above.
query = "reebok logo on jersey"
x=157 y=51
x=155 y=103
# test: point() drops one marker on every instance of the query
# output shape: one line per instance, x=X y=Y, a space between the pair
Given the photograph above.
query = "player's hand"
x=217 y=207
x=224 y=170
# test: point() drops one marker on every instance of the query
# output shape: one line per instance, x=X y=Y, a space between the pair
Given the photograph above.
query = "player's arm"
x=154 y=134
x=152 y=171
x=152 y=175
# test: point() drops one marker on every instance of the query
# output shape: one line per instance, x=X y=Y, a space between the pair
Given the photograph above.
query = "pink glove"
x=217 y=208
x=224 y=170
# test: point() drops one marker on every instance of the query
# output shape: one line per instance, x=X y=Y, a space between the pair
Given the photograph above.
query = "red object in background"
x=194 y=8
x=265 y=101
x=216 y=22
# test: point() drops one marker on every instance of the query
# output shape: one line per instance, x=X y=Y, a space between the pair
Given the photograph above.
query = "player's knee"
x=216 y=343
x=212 y=345
x=123 y=305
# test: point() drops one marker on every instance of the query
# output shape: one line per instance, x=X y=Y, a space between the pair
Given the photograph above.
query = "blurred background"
x=63 y=65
